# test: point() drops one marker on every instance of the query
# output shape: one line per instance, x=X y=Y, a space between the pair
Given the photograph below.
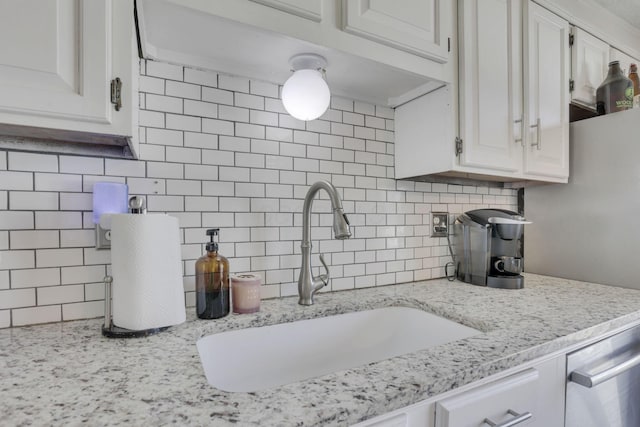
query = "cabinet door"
x=491 y=83
x=625 y=60
x=416 y=26
x=57 y=59
x=538 y=391
x=547 y=94
x=589 y=64
x=310 y=9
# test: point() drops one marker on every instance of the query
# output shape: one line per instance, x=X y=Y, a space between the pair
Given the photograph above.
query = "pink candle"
x=245 y=293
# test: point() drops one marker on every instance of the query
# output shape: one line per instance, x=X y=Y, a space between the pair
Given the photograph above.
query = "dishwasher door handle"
x=592 y=380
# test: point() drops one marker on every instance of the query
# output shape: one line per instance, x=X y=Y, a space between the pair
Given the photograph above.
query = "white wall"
x=219 y=151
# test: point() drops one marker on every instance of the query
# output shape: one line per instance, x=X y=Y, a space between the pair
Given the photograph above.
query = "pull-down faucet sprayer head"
x=341 y=228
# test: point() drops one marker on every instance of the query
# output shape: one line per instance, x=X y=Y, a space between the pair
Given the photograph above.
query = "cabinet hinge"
x=572 y=85
x=571 y=39
x=459 y=143
x=116 y=93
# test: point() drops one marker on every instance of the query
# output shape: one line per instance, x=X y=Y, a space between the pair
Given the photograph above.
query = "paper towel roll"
x=147 y=290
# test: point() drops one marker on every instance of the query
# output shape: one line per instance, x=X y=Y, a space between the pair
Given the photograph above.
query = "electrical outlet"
x=103 y=238
x=439 y=224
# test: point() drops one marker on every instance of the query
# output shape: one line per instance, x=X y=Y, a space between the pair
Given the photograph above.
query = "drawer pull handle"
x=517 y=419
x=589 y=381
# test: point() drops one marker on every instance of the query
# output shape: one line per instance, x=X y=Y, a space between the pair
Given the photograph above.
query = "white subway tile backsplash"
x=33 y=162
x=200 y=77
x=82 y=310
x=166 y=104
x=16 y=220
x=316 y=126
x=60 y=294
x=249 y=101
x=220 y=127
x=218 y=219
x=50 y=220
x=236 y=84
x=183 y=155
x=182 y=90
x=151 y=119
x=235 y=114
x=164 y=70
x=58 y=257
x=234 y=204
x=263 y=118
x=35 y=315
x=250 y=160
x=5 y=318
x=200 y=109
x=221 y=151
x=200 y=204
x=250 y=131
x=185 y=123
x=31 y=239
x=16 y=181
x=30 y=278
x=17 y=298
x=166 y=203
x=151 y=85
x=165 y=137
x=94 y=291
x=217 y=96
x=200 y=140
x=184 y=187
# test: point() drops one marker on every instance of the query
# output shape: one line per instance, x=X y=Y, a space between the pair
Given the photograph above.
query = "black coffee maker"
x=487 y=248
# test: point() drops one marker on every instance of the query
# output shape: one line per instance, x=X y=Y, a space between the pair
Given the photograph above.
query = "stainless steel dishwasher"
x=603 y=384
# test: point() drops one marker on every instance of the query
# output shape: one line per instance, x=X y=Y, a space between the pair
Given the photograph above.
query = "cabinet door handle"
x=517 y=419
x=589 y=381
x=519 y=138
x=538 y=143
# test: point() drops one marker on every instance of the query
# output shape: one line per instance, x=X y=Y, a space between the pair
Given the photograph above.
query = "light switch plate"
x=439 y=224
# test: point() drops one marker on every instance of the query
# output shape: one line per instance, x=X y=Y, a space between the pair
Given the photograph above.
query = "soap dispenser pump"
x=212 y=281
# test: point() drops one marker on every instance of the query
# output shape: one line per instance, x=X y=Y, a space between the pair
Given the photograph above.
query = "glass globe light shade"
x=305 y=95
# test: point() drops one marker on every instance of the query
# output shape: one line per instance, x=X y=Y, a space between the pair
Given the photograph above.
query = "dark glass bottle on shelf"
x=212 y=281
x=616 y=91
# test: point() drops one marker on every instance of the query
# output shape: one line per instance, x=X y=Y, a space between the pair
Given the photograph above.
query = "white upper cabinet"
x=380 y=52
x=625 y=60
x=546 y=94
x=412 y=25
x=513 y=120
x=309 y=9
x=589 y=64
x=57 y=60
x=491 y=84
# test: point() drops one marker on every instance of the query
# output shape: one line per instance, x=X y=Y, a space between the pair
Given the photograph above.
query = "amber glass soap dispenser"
x=212 y=281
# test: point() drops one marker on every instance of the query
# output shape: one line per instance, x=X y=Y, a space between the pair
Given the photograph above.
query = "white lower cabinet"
x=534 y=397
x=533 y=393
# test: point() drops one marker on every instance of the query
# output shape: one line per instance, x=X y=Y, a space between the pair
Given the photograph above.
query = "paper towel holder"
x=109 y=330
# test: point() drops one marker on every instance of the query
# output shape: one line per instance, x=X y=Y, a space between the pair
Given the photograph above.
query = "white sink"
x=255 y=359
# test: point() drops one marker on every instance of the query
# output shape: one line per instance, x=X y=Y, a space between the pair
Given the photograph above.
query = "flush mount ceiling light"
x=306 y=95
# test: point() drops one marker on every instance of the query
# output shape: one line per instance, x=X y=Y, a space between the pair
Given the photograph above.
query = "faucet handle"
x=324 y=277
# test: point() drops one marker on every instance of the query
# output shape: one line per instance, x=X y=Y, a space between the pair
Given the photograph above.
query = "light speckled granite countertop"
x=68 y=374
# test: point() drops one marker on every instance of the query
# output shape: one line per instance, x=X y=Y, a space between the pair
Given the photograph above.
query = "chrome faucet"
x=307 y=284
